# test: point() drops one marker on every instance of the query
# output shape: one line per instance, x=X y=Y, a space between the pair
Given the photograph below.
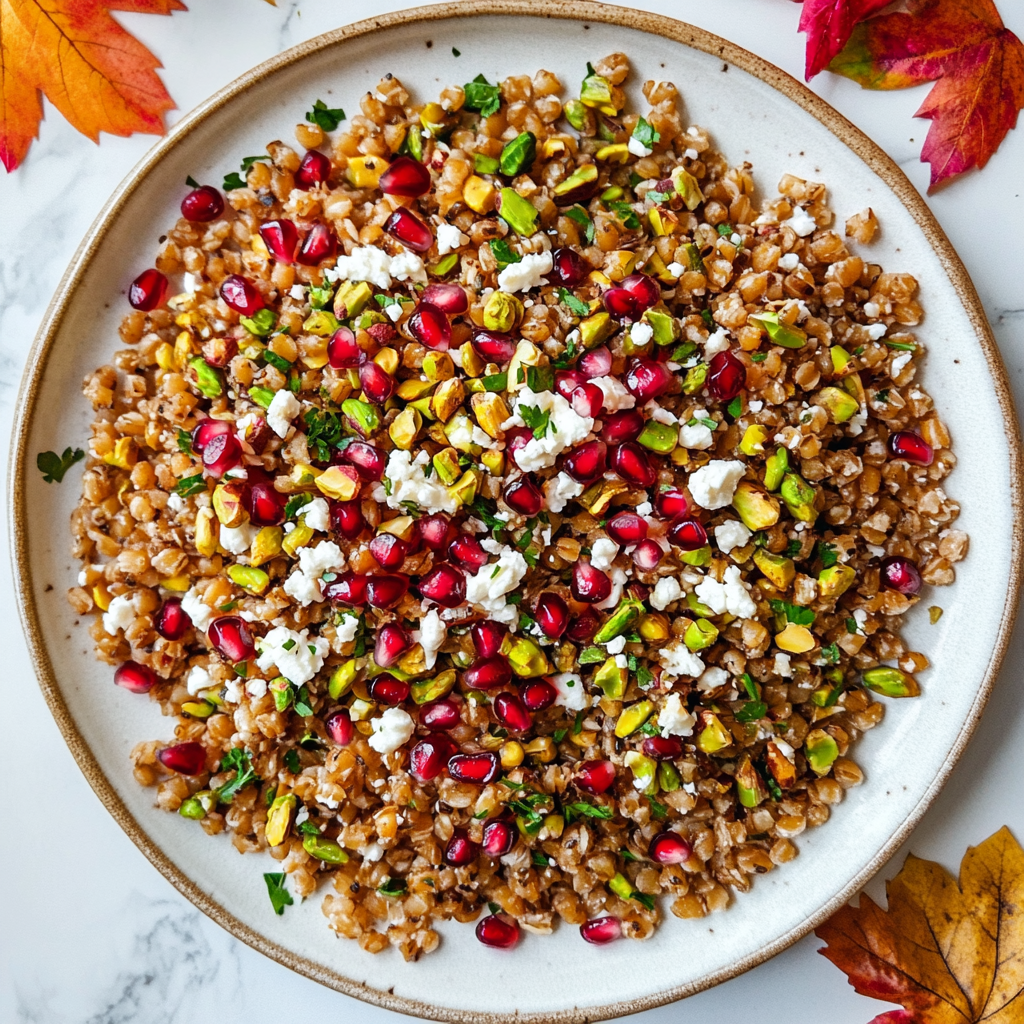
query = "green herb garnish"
x=482 y=97
x=54 y=466
x=325 y=117
x=277 y=888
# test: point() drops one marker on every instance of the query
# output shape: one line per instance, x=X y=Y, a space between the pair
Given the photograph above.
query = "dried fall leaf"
x=949 y=952
x=100 y=77
x=828 y=24
x=978 y=64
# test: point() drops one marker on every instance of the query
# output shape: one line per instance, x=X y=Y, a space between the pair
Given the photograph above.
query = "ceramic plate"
x=755 y=113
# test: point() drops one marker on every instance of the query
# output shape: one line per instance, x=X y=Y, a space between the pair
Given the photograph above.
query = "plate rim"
x=562 y=10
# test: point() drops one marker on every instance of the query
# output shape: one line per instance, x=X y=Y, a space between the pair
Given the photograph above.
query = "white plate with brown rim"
x=755 y=112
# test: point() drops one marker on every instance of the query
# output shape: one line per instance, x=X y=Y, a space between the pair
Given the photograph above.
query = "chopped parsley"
x=831 y=654
x=734 y=408
x=278 y=362
x=559 y=734
x=308 y=828
x=581 y=809
x=277 y=889
x=503 y=254
x=392 y=887
x=294 y=503
x=882 y=396
x=625 y=212
x=642 y=898
x=184 y=441
x=576 y=306
x=539 y=858
x=484 y=512
x=189 y=485
x=232 y=181
x=54 y=466
x=325 y=117
x=827 y=554
x=758 y=357
x=658 y=197
x=292 y=763
x=302 y=705
x=240 y=760
x=323 y=432
x=645 y=134
x=320 y=296
x=794 y=613
x=851 y=626
x=793 y=548
x=191 y=182
x=658 y=809
x=752 y=711
x=248 y=161
x=581 y=217
x=536 y=420
x=482 y=97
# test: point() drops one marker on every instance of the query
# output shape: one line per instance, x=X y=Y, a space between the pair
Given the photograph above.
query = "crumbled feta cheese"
x=783 y=664
x=120 y=615
x=304 y=583
x=347 y=628
x=303 y=589
x=712 y=678
x=198 y=680
x=876 y=331
x=297 y=291
x=876 y=550
x=756 y=405
x=860 y=616
x=464 y=432
x=371 y=852
x=430 y=636
x=660 y=415
x=899 y=363
x=676 y=269
x=872 y=309
x=641 y=333
x=283 y=409
x=789 y=262
x=175 y=502
x=603 y=553
x=637 y=148
x=233 y=691
x=785 y=749
x=717 y=342
x=665 y=591
x=317 y=515
x=256 y=688
x=728 y=596
x=678 y=660
x=407 y=266
x=856 y=423
x=712 y=486
x=616 y=645
x=238 y=539
x=296 y=655
x=729 y=535
x=449 y=238
x=801 y=222
x=526 y=274
x=410 y=483
x=560 y=490
x=565 y=428
x=571 y=693
x=367 y=263
x=699 y=435
x=645 y=508
x=691 y=154
x=616 y=396
x=393 y=311
x=196 y=609
x=674 y=719
x=487 y=589
x=392 y=730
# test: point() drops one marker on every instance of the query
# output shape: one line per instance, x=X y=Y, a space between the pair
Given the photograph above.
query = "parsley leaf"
x=643 y=898
x=54 y=466
x=793 y=548
x=831 y=654
x=539 y=858
x=184 y=441
x=794 y=613
x=645 y=134
x=851 y=626
x=503 y=254
x=295 y=502
x=324 y=116
x=232 y=181
x=484 y=513
x=248 y=161
x=320 y=295
x=241 y=761
x=292 y=763
x=323 y=432
x=827 y=554
x=536 y=420
x=308 y=828
x=578 y=214
x=189 y=485
x=882 y=396
x=581 y=809
x=277 y=888
x=392 y=887
x=191 y=182
x=752 y=711
x=568 y=357
x=625 y=212
x=658 y=197
x=576 y=306
x=482 y=97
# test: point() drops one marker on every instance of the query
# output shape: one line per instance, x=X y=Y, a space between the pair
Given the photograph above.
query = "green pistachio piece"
x=596 y=328
x=350 y=298
x=527 y=659
x=362 y=416
x=261 y=323
x=444 y=266
x=579 y=117
x=659 y=437
x=786 y=335
x=502 y=312
x=621 y=886
x=433 y=689
x=518 y=154
x=645 y=771
x=799 y=497
x=632 y=718
x=693 y=258
x=578 y=187
x=698 y=606
x=836 y=580
x=206 y=378
x=627 y=612
x=321 y=323
x=779 y=570
x=839 y=404
x=326 y=850
x=702 y=556
x=596 y=91
x=700 y=634
x=821 y=750
x=279 y=818
x=261 y=396
x=192 y=808
x=253 y=580
x=756 y=508
x=446 y=465
x=342 y=678
x=518 y=213
x=666 y=328
x=775 y=468
x=485 y=164
x=750 y=786
x=890 y=682
x=687 y=188
x=694 y=379
x=368 y=317
x=283 y=693
x=714 y=736
x=404 y=428
x=611 y=677
x=668 y=777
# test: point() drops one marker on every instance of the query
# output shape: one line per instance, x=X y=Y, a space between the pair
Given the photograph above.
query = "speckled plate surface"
x=755 y=112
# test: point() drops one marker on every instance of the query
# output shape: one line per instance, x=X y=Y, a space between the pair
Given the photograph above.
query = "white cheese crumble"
x=712 y=678
x=678 y=660
x=409 y=482
x=637 y=148
x=660 y=415
x=700 y=435
x=256 y=688
x=282 y=410
x=317 y=515
x=463 y=432
x=801 y=222
x=297 y=291
x=367 y=263
x=450 y=238
x=872 y=309
x=526 y=274
x=729 y=535
x=666 y=590
x=120 y=615
x=603 y=553
x=346 y=629
x=790 y=261
x=783 y=664
x=616 y=645
x=674 y=719
x=304 y=584
x=238 y=539
x=571 y=693
x=728 y=596
x=616 y=396
x=564 y=428
x=876 y=331
x=712 y=486
x=392 y=730
x=641 y=333
x=676 y=269
x=560 y=490
x=487 y=589
x=430 y=636
x=393 y=311
x=196 y=609
x=295 y=655
x=407 y=266
x=645 y=508
x=198 y=680
x=175 y=502
x=717 y=342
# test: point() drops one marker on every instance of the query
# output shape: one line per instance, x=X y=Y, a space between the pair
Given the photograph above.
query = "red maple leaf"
x=828 y=24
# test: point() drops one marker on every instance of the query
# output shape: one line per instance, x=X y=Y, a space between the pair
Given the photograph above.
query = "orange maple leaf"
x=100 y=77
x=950 y=952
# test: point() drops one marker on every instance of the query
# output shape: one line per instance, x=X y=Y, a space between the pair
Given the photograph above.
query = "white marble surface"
x=90 y=932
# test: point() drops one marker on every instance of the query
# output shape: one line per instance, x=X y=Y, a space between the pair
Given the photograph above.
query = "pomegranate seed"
x=626 y=528
x=429 y=326
x=467 y=550
x=221 y=454
x=479 y=768
x=688 y=534
x=435 y=531
x=257 y=434
x=393 y=640
x=911 y=447
x=184 y=758
x=348 y=588
x=523 y=496
x=488 y=673
x=386 y=689
x=587 y=462
x=405 y=177
x=623 y=426
x=552 y=614
x=630 y=461
x=499 y=837
x=318 y=245
x=265 y=506
x=899 y=573
x=588 y=584
x=461 y=850
x=445 y=585
x=488 y=636
x=498 y=931
x=148 y=290
x=510 y=710
x=451 y=299
x=671 y=504
x=172 y=620
x=582 y=627
x=644 y=289
x=494 y=347
x=587 y=400
x=241 y=295
x=568 y=267
x=538 y=694
x=727 y=376
x=567 y=381
x=386 y=591
x=206 y=430
x=388 y=550
x=595 y=776
x=404 y=225
x=339 y=727
x=668 y=848
x=647 y=554
x=314 y=170
x=378 y=385
x=281 y=238
x=368 y=461
x=231 y=638
x=646 y=379
x=663 y=748
x=134 y=677
x=428 y=758
x=347 y=518
x=516 y=440
x=596 y=363
x=342 y=350
x=601 y=930
x=620 y=304
x=441 y=714
x=202 y=204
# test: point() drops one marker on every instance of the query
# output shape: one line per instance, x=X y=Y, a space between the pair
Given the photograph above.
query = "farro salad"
x=514 y=514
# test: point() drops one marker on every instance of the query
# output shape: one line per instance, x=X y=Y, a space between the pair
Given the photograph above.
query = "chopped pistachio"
x=783 y=334
x=323 y=849
x=713 y=735
x=799 y=497
x=404 y=428
x=645 y=771
x=666 y=328
x=279 y=818
x=338 y=482
x=579 y=186
x=694 y=379
x=775 y=468
x=700 y=556
x=836 y=580
x=518 y=213
x=350 y=298
x=596 y=328
x=890 y=682
x=298 y=538
x=755 y=507
x=687 y=188
x=654 y=626
x=782 y=769
x=753 y=441
x=479 y=194
x=205 y=377
x=838 y=403
x=627 y=612
x=668 y=777
x=795 y=639
x=446 y=465
x=659 y=437
x=779 y=570
x=437 y=366
x=632 y=718
x=821 y=750
x=228 y=504
x=248 y=578
x=700 y=634
x=596 y=92
x=518 y=155
x=361 y=415
x=502 y=312
x=750 y=786
x=206 y=533
x=527 y=659
x=321 y=323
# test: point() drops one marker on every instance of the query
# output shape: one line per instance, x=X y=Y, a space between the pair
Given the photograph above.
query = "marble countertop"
x=91 y=933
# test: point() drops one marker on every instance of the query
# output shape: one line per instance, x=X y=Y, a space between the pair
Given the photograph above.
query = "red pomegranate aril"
x=552 y=614
x=568 y=267
x=626 y=528
x=134 y=677
x=388 y=550
x=202 y=204
x=493 y=346
x=668 y=848
x=404 y=225
x=588 y=584
x=445 y=585
x=451 y=299
x=468 y=550
x=172 y=622
x=343 y=350
x=221 y=454
x=911 y=447
x=393 y=640
x=646 y=379
x=595 y=776
x=601 y=930
x=498 y=838
x=631 y=462
x=644 y=289
x=510 y=710
x=241 y=295
x=595 y=363
x=587 y=400
x=435 y=531
x=619 y=427
x=620 y=304
x=727 y=376
x=378 y=385
x=688 y=534
x=405 y=177
x=498 y=931
x=647 y=555
x=148 y=290
x=347 y=518
x=582 y=627
x=516 y=440
x=488 y=636
x=441 y=714
x=429 y=326
x=265 y=506
x=281 y=238
x=479 y=768
x=386 y=689
x=318 y=245
x=461 y=850
x=368 y=461
x=524 y=497
x=586 y=462
x=339 y=727
x=428 y=757
x=671 y=504
x=184 y=758
x=231 y=639
x=386 y=591
x=488 y=673
x=314 y=170
x=900 y=574
x=663 y=748
x=567 y=381
x=538 y=694
x=349 y=588
x=206 y=430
